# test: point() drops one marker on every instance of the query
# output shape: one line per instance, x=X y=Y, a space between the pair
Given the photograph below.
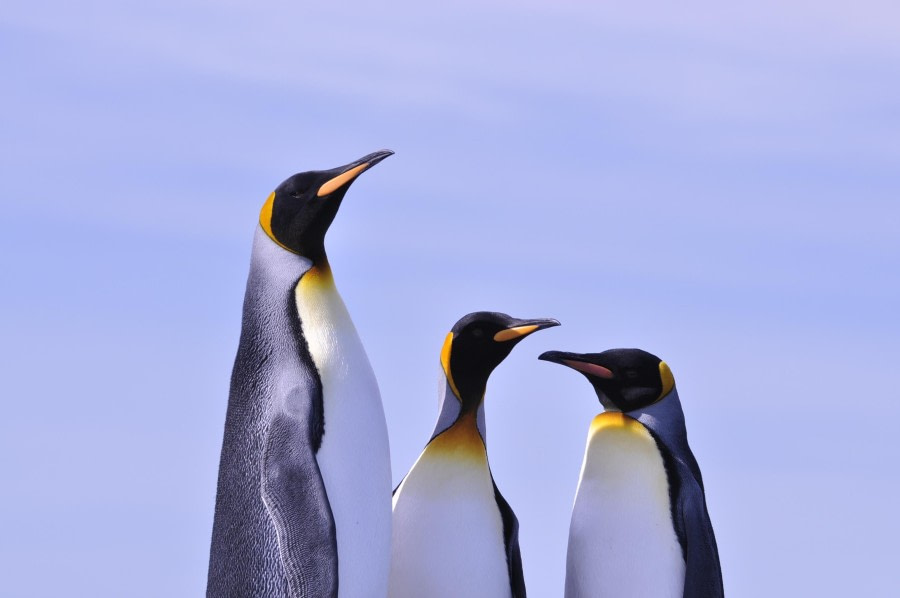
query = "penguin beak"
x=344 y=175
x=578 y=362
x=522 y=328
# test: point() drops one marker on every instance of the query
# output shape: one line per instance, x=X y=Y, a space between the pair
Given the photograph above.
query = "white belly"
x=448 y=533
x=354 y=457
x=621 y=540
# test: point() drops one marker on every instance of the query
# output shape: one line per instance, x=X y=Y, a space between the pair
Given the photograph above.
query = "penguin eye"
x=477 y=332
x=296 y=194
x=630 y=374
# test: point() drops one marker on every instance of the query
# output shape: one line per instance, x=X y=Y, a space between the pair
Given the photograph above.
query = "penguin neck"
x=274 y=272
x=318 y=302
x=462 y=439
x=272 y=264
x=319 y=275
x=665 y=417
x=453 y=409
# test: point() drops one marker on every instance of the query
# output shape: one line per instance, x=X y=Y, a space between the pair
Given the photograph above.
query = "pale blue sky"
x=716 y=185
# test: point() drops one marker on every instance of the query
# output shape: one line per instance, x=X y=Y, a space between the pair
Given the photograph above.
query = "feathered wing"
x=294 y=495
x=703 y=573
x=511 y=540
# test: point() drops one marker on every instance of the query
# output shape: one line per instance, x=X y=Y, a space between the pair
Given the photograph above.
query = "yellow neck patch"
x=668 y=380
x=445 y=364
x=265 y=220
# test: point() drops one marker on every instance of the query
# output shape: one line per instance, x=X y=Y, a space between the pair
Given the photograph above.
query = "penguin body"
x=453 y=532
x=621 y=520
x=301 y=507
x=640 y=525
x=450 y=491
x=354 y=458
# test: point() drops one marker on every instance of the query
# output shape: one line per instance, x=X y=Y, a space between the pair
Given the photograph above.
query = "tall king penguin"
x=639 y=524
x=303 y=507
x=454 y=534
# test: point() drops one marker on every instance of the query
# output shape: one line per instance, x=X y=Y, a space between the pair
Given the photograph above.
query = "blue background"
x=717 y=185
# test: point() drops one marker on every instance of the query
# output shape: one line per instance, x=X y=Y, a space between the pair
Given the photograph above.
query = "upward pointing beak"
x=522 y=328
x=344 y=175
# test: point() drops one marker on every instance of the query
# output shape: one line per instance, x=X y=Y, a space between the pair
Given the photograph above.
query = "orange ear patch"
x=668 y=380
x=265 y=219
x=445 y=363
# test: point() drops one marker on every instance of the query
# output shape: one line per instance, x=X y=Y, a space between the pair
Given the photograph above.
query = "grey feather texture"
x=272 y=526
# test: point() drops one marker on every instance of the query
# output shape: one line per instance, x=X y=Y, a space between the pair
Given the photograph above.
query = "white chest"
x=354 y=457
x=448 y=532
x=621 y=539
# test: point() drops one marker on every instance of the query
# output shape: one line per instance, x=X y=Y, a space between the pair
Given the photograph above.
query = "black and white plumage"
x=640 y=525
x=303 y=501
x=454 y=533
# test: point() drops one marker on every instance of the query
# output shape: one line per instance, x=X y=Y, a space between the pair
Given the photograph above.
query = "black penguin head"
x=625 y=379
x=298 y=213
x=477 y=344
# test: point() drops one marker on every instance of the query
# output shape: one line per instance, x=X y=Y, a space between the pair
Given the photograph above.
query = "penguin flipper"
x=511 y=541
x=295 y=497
x=703 y=572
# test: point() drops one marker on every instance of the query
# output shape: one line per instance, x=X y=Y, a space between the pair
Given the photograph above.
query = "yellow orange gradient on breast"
x=445 y=363
x=461 y=441
x=317 y=277
x=615 y=420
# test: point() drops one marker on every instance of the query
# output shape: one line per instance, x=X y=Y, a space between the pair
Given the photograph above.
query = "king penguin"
x=303 y=503
x=453 y=533
x=639 y=525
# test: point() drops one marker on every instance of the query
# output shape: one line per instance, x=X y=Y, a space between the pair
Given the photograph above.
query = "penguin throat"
x=315 y=250
x=470 y=400
x=470 y=388
x=462 y=439
x=319 y=275
x=605 y=401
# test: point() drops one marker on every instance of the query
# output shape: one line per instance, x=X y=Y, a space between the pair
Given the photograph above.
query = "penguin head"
x=625 y=379
x=298 y=213
x=477 y=344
